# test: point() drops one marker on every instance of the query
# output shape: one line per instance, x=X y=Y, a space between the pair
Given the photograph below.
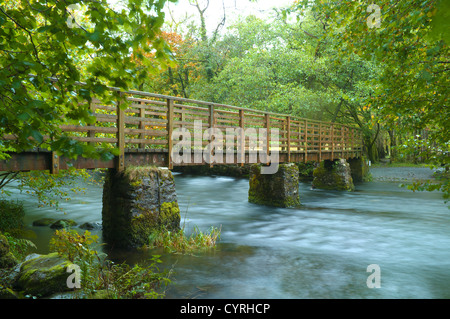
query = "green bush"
x=11 y=217
x=103 y=279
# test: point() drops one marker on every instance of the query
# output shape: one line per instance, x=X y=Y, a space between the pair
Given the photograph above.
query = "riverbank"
x=401 y=172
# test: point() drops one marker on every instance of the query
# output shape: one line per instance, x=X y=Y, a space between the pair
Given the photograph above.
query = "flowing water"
x=320 y=250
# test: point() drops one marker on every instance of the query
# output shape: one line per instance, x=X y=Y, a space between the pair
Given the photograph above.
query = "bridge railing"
x=148 y=120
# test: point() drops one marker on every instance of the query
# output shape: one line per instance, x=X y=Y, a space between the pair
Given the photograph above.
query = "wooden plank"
x=95 y=139
x=145 y=132
x=95 y=129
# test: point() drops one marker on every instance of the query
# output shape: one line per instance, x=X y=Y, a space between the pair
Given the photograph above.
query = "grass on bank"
x=179 y=242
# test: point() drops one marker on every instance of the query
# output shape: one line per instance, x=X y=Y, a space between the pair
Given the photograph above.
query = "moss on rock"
x=279 y=189
x=44 y=222
x=43 y=275
x=333 y=175
x=136 y=202
x=63 y=223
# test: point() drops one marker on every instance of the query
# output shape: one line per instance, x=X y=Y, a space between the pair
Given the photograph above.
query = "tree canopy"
x=46 y=49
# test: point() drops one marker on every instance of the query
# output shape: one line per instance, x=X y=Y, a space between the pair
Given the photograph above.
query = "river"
x=320 y=250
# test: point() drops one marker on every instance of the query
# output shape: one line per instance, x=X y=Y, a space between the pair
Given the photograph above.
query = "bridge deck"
x=139 y=125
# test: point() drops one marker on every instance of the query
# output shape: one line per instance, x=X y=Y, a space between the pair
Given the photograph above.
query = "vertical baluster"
x=142 y=124
x=332 y=141
x=242 y=136
x=120 y=134
x=91 y=133
x=320 y=142
x=169 y=128
x=267 y=127
x=289 y=138
x=306 y=141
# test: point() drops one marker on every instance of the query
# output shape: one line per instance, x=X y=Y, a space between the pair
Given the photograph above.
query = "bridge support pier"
x=279 y=189
x=359 y=169
x=136 y=202
x=333 y=175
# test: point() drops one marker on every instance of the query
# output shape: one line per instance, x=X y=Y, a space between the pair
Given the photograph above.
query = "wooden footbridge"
x=142 y=133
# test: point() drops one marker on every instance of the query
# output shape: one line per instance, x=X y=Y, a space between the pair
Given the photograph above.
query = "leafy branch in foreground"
x=39 y=46
x=49 y=189
x=101 y=278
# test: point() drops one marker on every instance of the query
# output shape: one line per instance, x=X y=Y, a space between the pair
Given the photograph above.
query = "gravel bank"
x=401 y=174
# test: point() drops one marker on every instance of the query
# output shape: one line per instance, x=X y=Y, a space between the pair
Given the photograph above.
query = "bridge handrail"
x=149 y=120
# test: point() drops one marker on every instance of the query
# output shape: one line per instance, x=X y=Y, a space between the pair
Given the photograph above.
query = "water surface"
x=319 y=250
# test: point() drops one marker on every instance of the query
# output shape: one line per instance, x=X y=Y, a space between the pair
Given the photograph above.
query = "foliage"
x=179 y=242
x=409 y=45
x=11 y=217
x=19 y=247
x=45 y=51
x=101 y=278
x=50 y=189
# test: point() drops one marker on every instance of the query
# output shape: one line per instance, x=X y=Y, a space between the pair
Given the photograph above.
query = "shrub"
x=11 y=217
x=101 y=278
x=179 y=242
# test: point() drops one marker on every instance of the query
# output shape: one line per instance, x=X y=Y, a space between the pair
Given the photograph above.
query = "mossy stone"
x=4 y=245
x=135 y=203
x=63 y=223
x=44 y=222
x=8 y=260
x=333 y=175
x=8 y=293
x=279 y=189
x=43 y=275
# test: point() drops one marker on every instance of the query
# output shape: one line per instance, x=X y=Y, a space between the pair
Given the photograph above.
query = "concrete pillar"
x=359 y=169
x=137 y=201
x=279 y=189
x=334 y=175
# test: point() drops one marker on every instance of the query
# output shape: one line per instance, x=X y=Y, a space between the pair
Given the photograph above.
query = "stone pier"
x=136 y=202
x=359 y=169
x=333 y=175
x=279 y=189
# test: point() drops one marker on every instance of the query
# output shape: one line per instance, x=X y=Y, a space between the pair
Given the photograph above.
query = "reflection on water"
x=320 y=250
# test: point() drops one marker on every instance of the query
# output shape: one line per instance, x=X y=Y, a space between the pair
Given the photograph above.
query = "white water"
x=320 y=250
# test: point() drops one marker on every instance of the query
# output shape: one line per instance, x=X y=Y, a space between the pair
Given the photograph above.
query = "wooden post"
x=289 y=138
x=142 y=125
x=211 y=125
x=332 y=141
x=91 y=133
x=54 y=169
x=267 y=127
x=342 y=142
x=306 y=141
x=242 y=137
x=320 y=142
x=120 y=134
x=353 y=141
x=183 y=116
x=170 y=107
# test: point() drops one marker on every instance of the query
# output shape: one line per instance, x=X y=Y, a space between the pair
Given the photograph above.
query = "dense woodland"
x=384 y=71
x=381 y=67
